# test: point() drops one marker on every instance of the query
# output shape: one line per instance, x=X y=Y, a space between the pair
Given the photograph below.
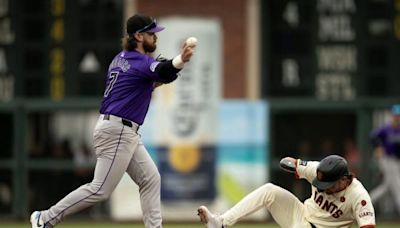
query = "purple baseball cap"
x=140 y=23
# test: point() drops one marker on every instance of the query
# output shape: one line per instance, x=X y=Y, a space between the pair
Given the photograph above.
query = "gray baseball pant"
x=390 y=167
x=118 y=149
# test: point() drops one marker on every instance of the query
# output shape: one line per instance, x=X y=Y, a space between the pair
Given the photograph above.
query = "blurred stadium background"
x=270 y=79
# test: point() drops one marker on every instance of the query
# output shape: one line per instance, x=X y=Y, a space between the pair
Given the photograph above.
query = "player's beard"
x=149 y=47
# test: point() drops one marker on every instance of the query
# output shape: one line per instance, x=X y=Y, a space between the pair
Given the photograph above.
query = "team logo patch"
x=363 y=202
x=303 y=163
x=153 y=66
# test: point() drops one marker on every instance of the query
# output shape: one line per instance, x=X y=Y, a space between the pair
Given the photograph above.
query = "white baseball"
x=191 y=41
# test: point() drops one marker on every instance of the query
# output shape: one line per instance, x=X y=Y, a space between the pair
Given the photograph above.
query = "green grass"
x=130 y=225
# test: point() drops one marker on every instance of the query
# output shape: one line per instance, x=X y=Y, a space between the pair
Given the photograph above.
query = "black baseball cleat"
x=208 y=218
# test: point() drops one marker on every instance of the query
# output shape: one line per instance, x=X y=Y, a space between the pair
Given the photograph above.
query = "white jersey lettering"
x=340 y=209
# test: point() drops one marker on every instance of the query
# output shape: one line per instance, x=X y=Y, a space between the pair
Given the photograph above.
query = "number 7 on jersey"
x=113 y=76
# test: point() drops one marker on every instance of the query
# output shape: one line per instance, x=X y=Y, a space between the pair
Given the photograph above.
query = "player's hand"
x=288 y=164
x=187 y=52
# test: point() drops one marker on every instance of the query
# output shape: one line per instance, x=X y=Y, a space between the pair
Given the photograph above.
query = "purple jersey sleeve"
x=148 y=68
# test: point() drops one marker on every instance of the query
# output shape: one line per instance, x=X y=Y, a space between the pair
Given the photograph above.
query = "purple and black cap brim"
x=156 y=29
x=140 y=23
x=152 y=27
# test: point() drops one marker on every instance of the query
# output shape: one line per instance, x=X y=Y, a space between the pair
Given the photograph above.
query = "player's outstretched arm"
x=168 y=69
x=288 y=164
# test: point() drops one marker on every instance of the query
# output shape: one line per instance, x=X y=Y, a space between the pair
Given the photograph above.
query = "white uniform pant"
x=286 y=209
x=118 y=149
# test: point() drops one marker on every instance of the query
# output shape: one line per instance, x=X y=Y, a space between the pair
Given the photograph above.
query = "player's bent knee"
x=98 y=193
x=155 y=179
x=151 y=181
x=154 y=175
x=102 y=196
x=269 y=192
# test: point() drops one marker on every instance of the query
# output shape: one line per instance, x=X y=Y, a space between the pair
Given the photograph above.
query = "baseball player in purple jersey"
x=338 y=199
x=386 y=141
x=132 y=76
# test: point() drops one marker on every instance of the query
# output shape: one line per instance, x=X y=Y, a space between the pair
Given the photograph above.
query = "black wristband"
x=167 y=71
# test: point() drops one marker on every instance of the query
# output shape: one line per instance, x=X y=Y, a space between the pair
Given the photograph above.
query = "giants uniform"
x=340 y=209
x=321 y=210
